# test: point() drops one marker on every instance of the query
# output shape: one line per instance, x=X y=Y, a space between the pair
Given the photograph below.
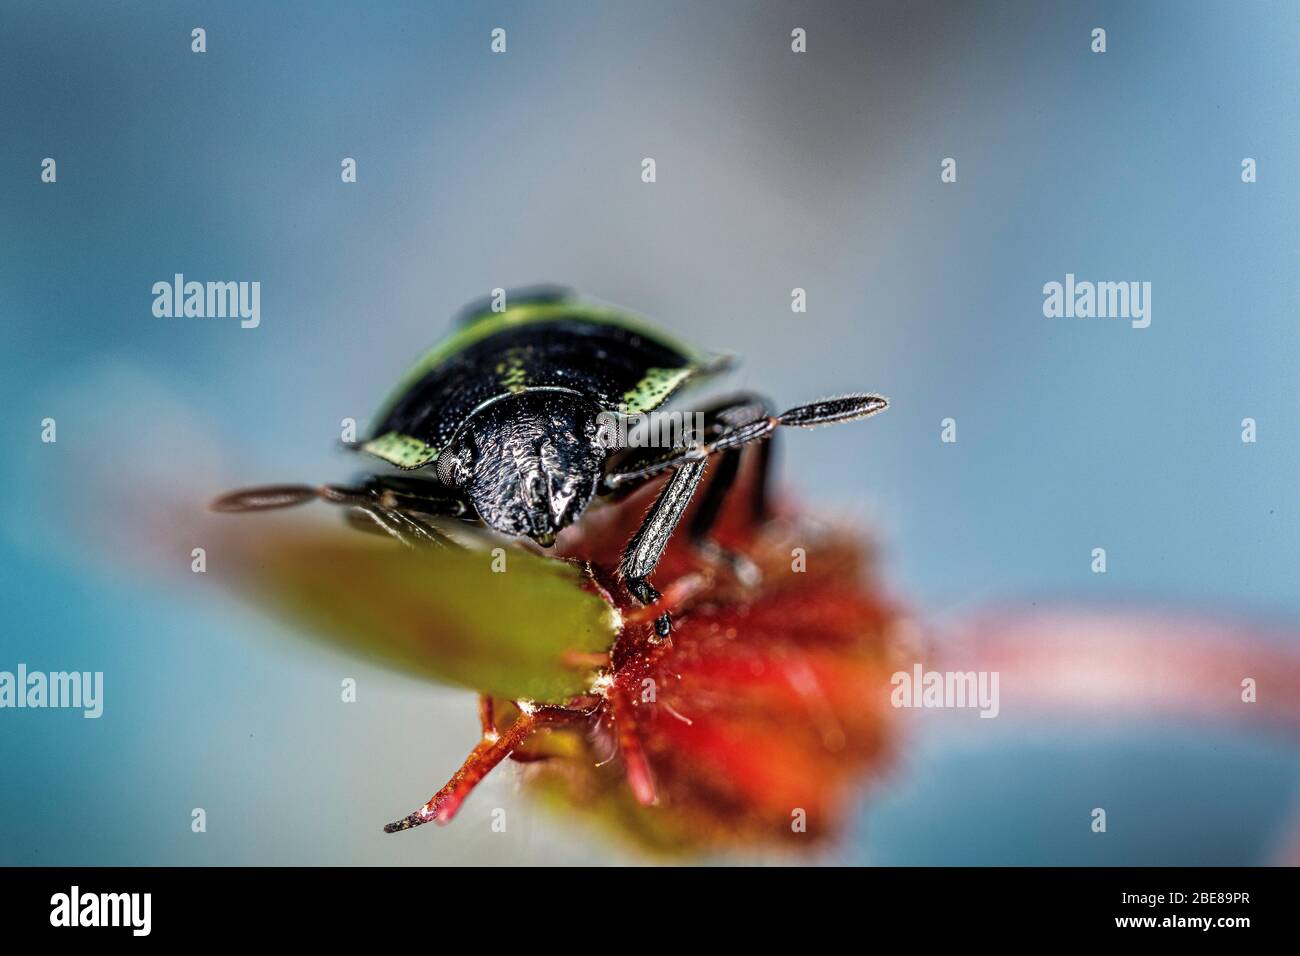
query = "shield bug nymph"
x=502 y=423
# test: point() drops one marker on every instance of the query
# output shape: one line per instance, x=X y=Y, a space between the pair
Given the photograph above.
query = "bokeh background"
x=775 y=170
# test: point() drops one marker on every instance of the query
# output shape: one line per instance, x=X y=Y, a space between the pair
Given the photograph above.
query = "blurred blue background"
x=775 y=170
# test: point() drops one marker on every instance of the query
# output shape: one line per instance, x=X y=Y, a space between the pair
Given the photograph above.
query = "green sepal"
x=532 y=631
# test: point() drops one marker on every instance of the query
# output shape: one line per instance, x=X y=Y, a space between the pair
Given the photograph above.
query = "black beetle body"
x=507 y=414
x=507 y=409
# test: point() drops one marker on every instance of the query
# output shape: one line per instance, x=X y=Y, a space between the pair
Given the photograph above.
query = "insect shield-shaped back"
x=529 y=463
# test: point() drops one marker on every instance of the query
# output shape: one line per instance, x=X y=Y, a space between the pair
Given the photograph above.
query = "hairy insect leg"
x=647 y=545
x=739 y=424
x=743 y=430
x=638 y=465
x=742 y=414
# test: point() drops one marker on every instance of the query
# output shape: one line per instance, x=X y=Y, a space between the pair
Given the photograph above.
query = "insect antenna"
x=265 y=498
x=829 y=410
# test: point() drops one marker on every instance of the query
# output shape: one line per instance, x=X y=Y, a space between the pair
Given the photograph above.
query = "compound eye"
x=452 y=469
x=608 y=433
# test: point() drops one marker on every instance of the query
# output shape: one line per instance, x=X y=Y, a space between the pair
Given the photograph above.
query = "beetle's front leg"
x=647 y=545
x=392 y=506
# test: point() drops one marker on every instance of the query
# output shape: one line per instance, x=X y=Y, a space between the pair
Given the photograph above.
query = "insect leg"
x=736 y=413
x=641 y=464
x=715 y=494
x=740 y=410
x=647 y=545
x=734 y=424
x=410 y=530
x=409 y=493
x=728 y=425
x=397 y=511
x=825 y=411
